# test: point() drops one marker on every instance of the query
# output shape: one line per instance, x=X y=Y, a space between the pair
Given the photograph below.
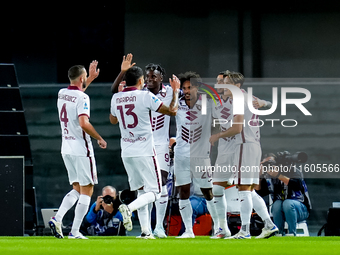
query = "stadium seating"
x=14 y=138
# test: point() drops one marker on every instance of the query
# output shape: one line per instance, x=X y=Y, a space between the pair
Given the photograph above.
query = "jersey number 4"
x=129 y=112
x=63 y=115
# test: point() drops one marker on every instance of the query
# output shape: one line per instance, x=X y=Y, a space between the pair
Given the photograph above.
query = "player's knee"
x=164 y=176
x=218 y=190
x=184 y=191
x=208 y=195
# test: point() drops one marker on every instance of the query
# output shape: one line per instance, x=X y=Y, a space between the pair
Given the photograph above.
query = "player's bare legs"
x=186 y=210
x=221 y=229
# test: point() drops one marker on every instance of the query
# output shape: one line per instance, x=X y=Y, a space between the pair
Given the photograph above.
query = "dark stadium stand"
x=15 y=142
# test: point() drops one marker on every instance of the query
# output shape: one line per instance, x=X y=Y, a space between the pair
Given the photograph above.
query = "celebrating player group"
x=142 y=105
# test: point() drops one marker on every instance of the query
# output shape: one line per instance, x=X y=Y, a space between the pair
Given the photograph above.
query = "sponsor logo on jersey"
x=225 y=113
x=191 y=115
x=86 y=106
x=131 y=140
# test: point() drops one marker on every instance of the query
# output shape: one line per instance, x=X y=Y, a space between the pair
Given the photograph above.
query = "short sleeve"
x=83 y=106
x=152 y=101
x=113 y=106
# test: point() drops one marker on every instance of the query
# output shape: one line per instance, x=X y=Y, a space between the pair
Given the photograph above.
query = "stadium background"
x=287 y=40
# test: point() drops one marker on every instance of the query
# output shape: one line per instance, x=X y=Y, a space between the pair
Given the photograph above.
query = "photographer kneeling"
x=288 y=190
x=103 y=216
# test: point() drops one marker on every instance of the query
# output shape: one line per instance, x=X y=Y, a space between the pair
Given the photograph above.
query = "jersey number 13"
x=129 y=112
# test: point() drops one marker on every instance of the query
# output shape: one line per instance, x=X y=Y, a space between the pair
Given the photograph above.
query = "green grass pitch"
x=199 y=245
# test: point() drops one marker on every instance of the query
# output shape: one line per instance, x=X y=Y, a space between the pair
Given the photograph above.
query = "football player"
x=192 y=149
x=243 y=137
x=76 y=149
x=131 y=108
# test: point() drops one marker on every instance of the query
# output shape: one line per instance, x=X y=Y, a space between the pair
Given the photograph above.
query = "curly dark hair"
x=154 y=67
x=193 y=77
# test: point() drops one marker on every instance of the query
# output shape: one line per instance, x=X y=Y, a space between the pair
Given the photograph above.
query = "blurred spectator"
x=289 y=194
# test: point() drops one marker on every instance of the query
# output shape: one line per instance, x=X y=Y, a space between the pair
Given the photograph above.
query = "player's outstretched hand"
x=258 y=103
x=175 y=83
x=93 y=71
x=126 y=63
x=213 y=139
x=102 y=143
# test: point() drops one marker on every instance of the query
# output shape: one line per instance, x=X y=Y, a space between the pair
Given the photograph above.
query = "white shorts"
x=247 y=162
x=143 y=172
x=224 y=169
x=81 y=169
x=187 y=168
x=163 y=156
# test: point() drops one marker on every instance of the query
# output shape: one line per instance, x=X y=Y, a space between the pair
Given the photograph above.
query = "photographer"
x=103 y=217
x=288 y=189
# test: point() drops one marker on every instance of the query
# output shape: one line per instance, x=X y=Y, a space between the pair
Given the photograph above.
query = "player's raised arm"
x=93 y=73
x=260 y=103
x=175 y=85
x=126 y=64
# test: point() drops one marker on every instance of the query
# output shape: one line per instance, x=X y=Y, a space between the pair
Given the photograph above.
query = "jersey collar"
x=73 y=87
x=129 y=89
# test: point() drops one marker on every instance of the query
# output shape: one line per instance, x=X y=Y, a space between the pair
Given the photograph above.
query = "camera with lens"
x=108 y=199
x=285 y=158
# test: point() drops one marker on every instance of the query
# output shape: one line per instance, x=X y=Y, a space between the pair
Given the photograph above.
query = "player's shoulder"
x=73 y=92
x=62 y=90
x=146 y=95
x=165 y=91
